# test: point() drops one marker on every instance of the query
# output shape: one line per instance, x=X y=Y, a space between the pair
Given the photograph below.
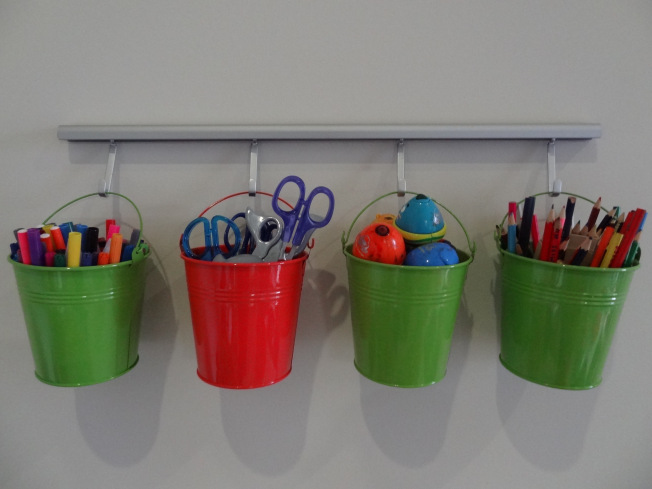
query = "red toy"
x=381 y=243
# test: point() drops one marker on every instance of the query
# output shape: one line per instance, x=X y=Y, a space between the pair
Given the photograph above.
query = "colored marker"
x=74 y=249
x=127 y=250
x=103 y=258
x=86 y=259
x=49 y=258
x=116 y=248
x=36 y=250
x=47 y=242
x=526 y=225
x=83 y=229
x=60 y=258
x=66 y=229
x=23 y=244
x=108 y=224
x=57 y=237
x=92 y=236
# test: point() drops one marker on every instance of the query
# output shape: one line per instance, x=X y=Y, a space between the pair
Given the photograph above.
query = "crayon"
x=568 y=220
x=535 y=232
x=553 y=252
x=581 y=252
x=116 y=248
x=74 y=249
x=511 y=234
x=23 y=244
x=526 y=224
x=602 y=245
x=628 y=237
x=633 y=250
x=611 y=249
x=547 y=235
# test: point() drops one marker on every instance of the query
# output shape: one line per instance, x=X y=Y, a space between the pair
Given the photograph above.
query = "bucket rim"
x=146 y=252
x=347 y=234
x=461 y=264
x=303 y=256
x=565 y=266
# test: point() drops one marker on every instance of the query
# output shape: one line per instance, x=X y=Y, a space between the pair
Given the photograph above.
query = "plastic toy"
x=381 y=243
x=435 y=254
x=420 y=221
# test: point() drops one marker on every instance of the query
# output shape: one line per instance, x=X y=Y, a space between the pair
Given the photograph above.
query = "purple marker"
x=36 y=248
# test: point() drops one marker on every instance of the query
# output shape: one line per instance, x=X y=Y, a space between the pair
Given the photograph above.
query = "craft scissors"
x=212 y=247
x=299 y=224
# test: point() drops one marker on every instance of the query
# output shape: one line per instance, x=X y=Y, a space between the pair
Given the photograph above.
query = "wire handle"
x=141 y=250
x=347 y=234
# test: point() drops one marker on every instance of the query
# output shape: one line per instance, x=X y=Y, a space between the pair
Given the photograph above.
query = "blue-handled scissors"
x=211 y=239
x=299 y=224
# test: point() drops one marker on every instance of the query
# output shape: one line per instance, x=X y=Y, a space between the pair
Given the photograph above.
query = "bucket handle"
x=141 y=250
x=569 y=194
x=347 y=234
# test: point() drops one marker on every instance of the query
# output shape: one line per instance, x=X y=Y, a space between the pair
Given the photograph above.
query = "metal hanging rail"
x=327 y=132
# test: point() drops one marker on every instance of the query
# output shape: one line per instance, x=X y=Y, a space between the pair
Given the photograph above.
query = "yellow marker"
x=611 y=249
x=73 y=251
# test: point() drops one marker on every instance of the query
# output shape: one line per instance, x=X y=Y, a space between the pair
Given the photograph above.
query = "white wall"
x=325 y=426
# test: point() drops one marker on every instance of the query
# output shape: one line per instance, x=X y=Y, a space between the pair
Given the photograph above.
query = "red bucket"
x=244 y=318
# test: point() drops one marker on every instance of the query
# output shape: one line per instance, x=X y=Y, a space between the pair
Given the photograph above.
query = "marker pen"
x=49 y=258
x=36 y=251
x=86 y=259
x=113 y=229
x=116 y=248
x=66 y=229
x=83 y=229
x=74 y=249
x=103 y=258
x=126 y=252
x=47 y=242
x=23 y=244
x=60 y=258
x=135 y=236
x=108 y=224
x=92 y=235
x=57 y=237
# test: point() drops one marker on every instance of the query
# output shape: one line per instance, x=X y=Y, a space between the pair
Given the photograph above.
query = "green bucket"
x=558 y=321
x=403 y=316
x=83 y=323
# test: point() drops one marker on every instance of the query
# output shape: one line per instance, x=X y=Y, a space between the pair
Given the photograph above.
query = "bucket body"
x=557 y=321
x=244 y=318
x=403 y=318
x=83 y=323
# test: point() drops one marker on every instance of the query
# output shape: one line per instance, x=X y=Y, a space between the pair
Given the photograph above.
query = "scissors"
x=247 y=240
x=212 y=246
x=299 y=223
x=268 y=245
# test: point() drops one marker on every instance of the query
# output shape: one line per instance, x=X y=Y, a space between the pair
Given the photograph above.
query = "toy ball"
x=435 y=254
x=420 y=221
x=381 y=243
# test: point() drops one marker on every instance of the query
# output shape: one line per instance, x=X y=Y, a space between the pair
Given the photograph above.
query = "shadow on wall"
x=409 y=425
x=266 y=427
x=551 y=439
x=119 y=419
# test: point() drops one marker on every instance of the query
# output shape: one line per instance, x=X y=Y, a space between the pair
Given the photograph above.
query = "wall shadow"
x=266 y=427
x=119 y=419
x=409 y=425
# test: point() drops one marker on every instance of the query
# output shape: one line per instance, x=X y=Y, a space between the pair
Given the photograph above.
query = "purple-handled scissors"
x=299 y=224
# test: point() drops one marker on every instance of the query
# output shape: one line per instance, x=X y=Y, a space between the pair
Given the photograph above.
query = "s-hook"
x=105 y=183
x=554 y=184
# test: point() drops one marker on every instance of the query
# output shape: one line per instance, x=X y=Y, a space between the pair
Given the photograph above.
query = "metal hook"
x=253 y=168
x=105 y=183
x=400 y=160
x=554 y=184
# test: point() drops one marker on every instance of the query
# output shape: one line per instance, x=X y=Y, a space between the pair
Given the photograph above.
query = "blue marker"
x=83 y=229
x=86 y=259
x=66 y=229
x=126 y=252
